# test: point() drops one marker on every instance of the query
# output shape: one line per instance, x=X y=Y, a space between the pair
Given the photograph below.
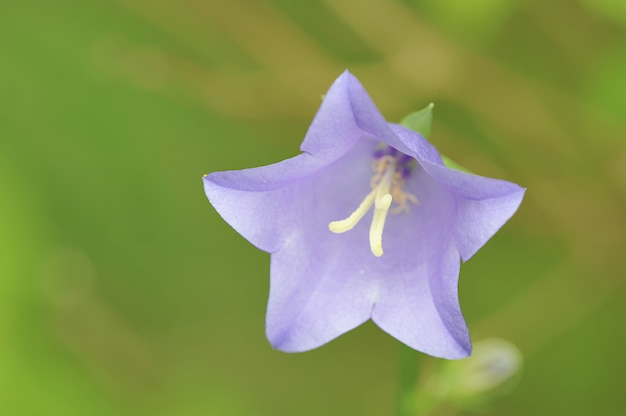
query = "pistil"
x=381 y=208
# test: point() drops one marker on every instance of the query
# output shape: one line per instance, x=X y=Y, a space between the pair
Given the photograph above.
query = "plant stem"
x=407 y=381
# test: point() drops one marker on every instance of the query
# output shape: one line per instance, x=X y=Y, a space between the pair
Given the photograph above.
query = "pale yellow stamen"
x=378 y=224
x=342 y=226
x=381 y=207
x=387 y=186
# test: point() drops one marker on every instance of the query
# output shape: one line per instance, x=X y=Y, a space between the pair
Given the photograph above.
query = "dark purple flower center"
x=404 y=163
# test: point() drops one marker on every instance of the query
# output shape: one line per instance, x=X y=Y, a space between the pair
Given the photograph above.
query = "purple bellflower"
x=359 y=186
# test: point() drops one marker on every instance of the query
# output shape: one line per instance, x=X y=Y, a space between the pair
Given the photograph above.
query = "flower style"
x=366 y=223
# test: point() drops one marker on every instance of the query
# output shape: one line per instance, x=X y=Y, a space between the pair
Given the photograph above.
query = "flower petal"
x=484 y=205
x=419 y=301
x=258 y=202
x=314 y=300
x=346 y=114
x=422 y=309
x=320 y=287
x=413 y=144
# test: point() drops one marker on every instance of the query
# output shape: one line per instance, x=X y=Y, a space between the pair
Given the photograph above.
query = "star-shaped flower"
x=362 y=185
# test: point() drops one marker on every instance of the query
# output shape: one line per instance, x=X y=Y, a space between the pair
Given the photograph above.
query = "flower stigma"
x=390 y=168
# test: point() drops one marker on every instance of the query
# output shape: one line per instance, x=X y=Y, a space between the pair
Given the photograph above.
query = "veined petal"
x=422 y=308
x=347 y=113
x=311 y=301
x=484 y=205
x=413 y=144
x=321 y=284
x=258 y=202
x=418 y=303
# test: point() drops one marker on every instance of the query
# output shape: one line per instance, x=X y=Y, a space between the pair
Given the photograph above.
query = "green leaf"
x=452 y=164
x=420 y=121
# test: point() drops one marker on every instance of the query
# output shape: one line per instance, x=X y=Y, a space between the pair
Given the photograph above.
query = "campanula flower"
x=366 y=223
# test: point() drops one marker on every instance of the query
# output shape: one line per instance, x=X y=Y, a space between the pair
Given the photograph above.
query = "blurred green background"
x=122 y=292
